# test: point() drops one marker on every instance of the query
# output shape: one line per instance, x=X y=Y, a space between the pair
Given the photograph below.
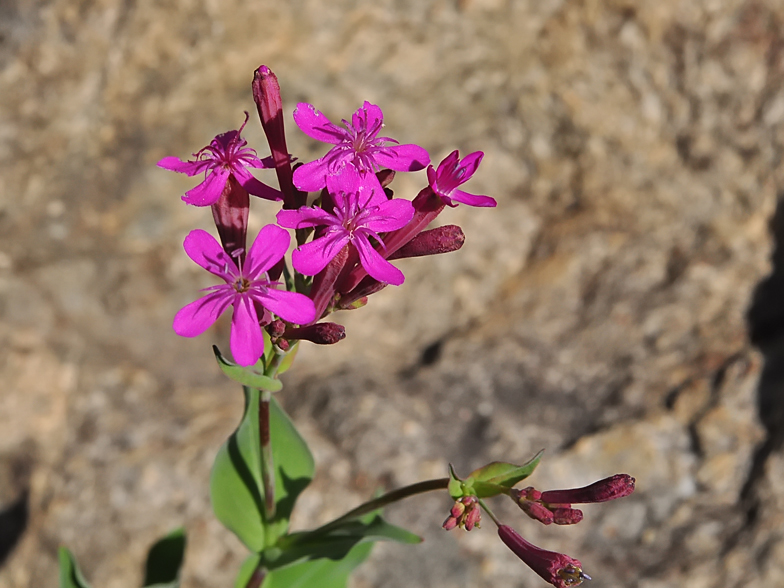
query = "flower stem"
x=257 y=579
x=384 y=499
x=489 y=512
x=267 y=464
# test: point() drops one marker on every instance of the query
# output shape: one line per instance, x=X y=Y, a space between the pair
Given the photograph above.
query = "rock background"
x=599 y=312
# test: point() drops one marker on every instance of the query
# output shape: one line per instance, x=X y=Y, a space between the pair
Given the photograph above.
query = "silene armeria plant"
x=348 y=229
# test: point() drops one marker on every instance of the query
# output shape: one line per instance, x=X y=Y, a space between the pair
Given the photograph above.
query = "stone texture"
x=599 y=312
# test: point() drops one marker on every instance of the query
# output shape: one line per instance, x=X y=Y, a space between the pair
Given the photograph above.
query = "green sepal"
x=323 y=573
x=456 y=487
x=334 y=543
x=248 y=376
x=503 y=475
x=287 y=361
x=164 y=561
x=70 y=575
x=236 y=488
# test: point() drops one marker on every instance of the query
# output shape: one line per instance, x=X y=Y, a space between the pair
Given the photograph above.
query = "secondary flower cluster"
x=355 y=225
x=552 y=506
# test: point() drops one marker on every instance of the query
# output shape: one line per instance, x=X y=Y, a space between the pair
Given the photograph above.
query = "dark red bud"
x=320 y=333
x=385 y=177
x=616 y=486
x=450 y=523
x=266 y=94
x=537 y=511
x=473 y=518
x=283 y=344
x=276 y=328
x=439 y=240
x=567 y=516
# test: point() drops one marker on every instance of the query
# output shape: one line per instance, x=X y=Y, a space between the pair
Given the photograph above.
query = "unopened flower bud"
x=385 y=177
x=616 y=486
x=558 y=569
x=566 y=516
x=537 y=511
x=276 y=328
x=450 y=523
x=266 y=94
x=320 y=333
x=465 y=513
x=439 y=240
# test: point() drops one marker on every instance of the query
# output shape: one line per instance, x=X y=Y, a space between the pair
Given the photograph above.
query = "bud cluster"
x=552 y=506
x=464 y=514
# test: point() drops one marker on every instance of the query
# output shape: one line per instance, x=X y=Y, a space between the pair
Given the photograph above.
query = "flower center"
x=241 y=284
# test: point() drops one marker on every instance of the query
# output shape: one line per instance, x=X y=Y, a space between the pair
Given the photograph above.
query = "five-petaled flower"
x=357 y=145
x=225 y=156
x=356 y=217
x=247 y=288
x=451 y=173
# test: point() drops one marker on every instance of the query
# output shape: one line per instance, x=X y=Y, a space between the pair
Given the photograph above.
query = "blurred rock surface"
x=599 y=312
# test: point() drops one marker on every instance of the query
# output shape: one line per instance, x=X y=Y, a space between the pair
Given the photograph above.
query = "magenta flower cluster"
x=345 y=240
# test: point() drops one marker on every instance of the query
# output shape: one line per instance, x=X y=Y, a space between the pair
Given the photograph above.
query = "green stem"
x=267 y=464
x=489 y=512
x=257 y=579
x=384 y=499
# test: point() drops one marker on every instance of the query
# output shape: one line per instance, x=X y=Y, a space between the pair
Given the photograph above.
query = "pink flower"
x=354 y=220
x=247 y=289
x=357 y=145
x=225 y=156
x=558 y=569
x=451 y=173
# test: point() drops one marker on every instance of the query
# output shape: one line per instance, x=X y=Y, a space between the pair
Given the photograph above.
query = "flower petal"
x=247 y=342
x=305 y=216
x=472 y=199
x=375 y=265
x=470 y=163
x=290 y=306
x=317 y=126
x=312 y=176
x=391 y=215
x=268 y=247
x=190 y=168
x=403 y=157
x=198 y=316
x=254 y=186
x=371 y=119
x=209 y=190
x=363 y=183
x=311 y=258
x=205 y=250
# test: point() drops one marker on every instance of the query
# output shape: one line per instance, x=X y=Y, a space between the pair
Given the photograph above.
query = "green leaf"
x=321 y=573
x=503 y=474
x=294 y=468
x=164 y=561
x=236 y=488
x=456 y=487
x=70 y=575
x=235 y=482
x=336 y=542
x=252 y=377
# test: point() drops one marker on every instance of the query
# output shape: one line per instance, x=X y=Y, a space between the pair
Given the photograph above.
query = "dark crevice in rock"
x=13 y=522
x=766 y=330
